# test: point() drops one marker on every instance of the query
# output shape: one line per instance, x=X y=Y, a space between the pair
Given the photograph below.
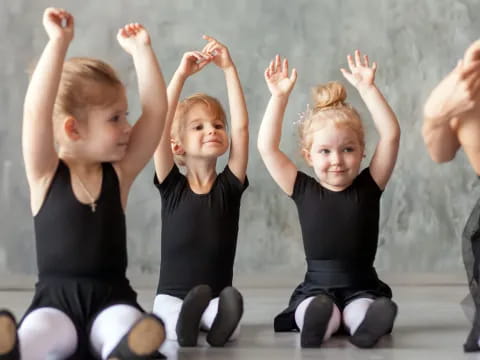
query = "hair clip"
x=302 y=116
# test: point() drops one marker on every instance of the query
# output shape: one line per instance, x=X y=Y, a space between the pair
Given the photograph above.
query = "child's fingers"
x=277 y=63
x=351 y=64
x=374 y=66
x=365 y=60
x=208 y=38
x=293 y=76
x=271 y=67
x=266 y=73
x=347 y=75
x=358 y=60
x=285 y=67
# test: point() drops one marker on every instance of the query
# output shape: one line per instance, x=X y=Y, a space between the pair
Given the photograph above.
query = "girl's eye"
x=348 y=149
x=324 y=151
x=198 y=127
x=116 y=118
x=219 y=126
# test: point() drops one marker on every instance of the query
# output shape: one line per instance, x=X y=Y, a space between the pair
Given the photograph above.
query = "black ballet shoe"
x=378 y=322
x=230 y=311
x=471 y=344
x=142 y=340
x=188 y=324
x=315 y=323
x=9 y=348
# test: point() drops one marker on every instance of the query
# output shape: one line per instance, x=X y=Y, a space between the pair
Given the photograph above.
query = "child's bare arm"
x=192 y=62
x=146 y=132
x=38 y=146
x=362 y=76
x=238 y=159
x=280 y=167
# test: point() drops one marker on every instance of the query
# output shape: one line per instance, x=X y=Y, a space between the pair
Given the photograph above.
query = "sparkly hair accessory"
x=303 y=115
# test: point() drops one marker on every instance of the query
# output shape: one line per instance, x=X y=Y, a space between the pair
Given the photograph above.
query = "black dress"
x=340 y=237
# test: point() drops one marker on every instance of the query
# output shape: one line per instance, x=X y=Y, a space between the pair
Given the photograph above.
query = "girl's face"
x=203 y=135
x=107 y=134
x=335 y=155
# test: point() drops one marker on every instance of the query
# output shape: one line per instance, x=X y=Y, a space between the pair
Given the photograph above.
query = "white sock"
x=110 y=326
x=209 y=315
x=47 y=333
x=354 y=313
x=333 y=323
x=168 y=308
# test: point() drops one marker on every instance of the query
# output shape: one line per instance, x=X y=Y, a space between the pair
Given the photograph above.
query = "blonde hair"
x=184 y=106
x=329 y=107
x=85 y=82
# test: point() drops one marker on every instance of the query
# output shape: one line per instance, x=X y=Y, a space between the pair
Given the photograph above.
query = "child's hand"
x=276 y=76
x=362 y=75
x=192 y=62
x=132 y=36
x=58 y=24
x=218 y=52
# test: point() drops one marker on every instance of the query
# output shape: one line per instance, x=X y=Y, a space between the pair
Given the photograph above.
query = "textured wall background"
x=414 y=42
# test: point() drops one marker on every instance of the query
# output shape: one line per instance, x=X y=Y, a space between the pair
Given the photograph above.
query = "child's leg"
x=188 y=324
x=227 y=312
x=368 y=320
x=168 y=308
x=318 y=318
x=354 y=313
x=209 y=316
x=123 y=329
x=47 y=333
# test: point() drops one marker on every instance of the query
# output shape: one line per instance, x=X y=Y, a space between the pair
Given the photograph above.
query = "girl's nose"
x=127 y=128
x=335 y=158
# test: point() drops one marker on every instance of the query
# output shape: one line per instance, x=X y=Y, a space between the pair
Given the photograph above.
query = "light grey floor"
x=431 y=325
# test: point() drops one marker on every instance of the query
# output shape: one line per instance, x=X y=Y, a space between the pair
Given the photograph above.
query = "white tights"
x=168 y=309
x=352 y=315
x=48 y=333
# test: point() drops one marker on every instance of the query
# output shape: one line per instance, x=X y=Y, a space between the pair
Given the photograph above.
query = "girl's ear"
x=308 y=157
x=70 y=127
x=177 y=148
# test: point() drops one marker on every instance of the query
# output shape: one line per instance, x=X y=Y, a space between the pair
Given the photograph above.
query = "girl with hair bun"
x=339 y=209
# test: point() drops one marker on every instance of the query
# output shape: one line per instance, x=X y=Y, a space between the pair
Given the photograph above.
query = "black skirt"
x=82 y=299
x=471 y=258
x=341 y=281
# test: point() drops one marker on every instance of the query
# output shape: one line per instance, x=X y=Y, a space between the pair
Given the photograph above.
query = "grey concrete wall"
x=414 y=42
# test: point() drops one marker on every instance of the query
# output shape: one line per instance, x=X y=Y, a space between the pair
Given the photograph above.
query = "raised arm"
x=449 y=102
x=146 y=133
x=280 y=167
x=191 y=63
x=38 y=146
x=362 y=76
x=238 y=159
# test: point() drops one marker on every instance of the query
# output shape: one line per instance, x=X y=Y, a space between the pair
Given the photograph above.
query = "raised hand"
x=192 y=62
x=218 y=52
x=361 y=74
x=132 y=36
x=58 y=24
x=276 y=76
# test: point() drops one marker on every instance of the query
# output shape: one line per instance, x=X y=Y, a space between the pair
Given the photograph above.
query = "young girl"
x=200 y=209
x=452 y=114
x=81 y=157
x=338 y=211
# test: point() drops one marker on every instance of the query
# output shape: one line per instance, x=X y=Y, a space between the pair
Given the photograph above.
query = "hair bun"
x=331 y=94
